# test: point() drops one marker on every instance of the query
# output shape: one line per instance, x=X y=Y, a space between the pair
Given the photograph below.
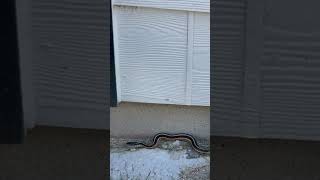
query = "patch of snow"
x=151 y=164
x=176 y=143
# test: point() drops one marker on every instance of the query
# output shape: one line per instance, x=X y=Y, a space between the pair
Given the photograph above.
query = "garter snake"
x=180 y=136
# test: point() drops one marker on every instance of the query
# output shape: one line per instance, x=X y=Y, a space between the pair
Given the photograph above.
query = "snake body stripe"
x=180 y=136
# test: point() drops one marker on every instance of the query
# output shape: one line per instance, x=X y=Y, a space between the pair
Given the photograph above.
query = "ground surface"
x=56 y=154
x=72 y=154
x=243 y=159
x=170 y=160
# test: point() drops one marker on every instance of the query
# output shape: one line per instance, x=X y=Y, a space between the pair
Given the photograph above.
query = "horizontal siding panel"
x=185 y=5
x=152 y=48
x=290 y=74
x=227 y=53
x=162 y=55
x=200 y=88
x=71 y=62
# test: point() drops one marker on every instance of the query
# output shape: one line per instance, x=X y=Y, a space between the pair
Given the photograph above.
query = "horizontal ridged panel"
x=200 y=88
x=71 y=64
x=152 y=49
x=186 y=5
x=227 y=53
x=290 y=84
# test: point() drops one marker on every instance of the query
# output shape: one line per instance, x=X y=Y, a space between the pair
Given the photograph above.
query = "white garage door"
x=162 y=51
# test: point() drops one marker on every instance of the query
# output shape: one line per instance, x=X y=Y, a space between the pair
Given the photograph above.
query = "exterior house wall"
x=69 y=61
x=65 y=57
x=162 y=51
x=162 y=58
x=266 y=69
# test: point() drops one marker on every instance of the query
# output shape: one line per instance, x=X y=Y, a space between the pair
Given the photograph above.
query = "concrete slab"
x=140 y=119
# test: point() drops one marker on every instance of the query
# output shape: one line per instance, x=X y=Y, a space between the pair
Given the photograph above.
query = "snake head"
x=133 y=143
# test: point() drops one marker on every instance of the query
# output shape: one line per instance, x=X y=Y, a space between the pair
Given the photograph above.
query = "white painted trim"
x=185 y=5
x=189 y=59
x=116 y=52
x=149 y=100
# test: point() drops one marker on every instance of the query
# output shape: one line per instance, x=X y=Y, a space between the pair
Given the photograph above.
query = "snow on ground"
x=152 y=164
